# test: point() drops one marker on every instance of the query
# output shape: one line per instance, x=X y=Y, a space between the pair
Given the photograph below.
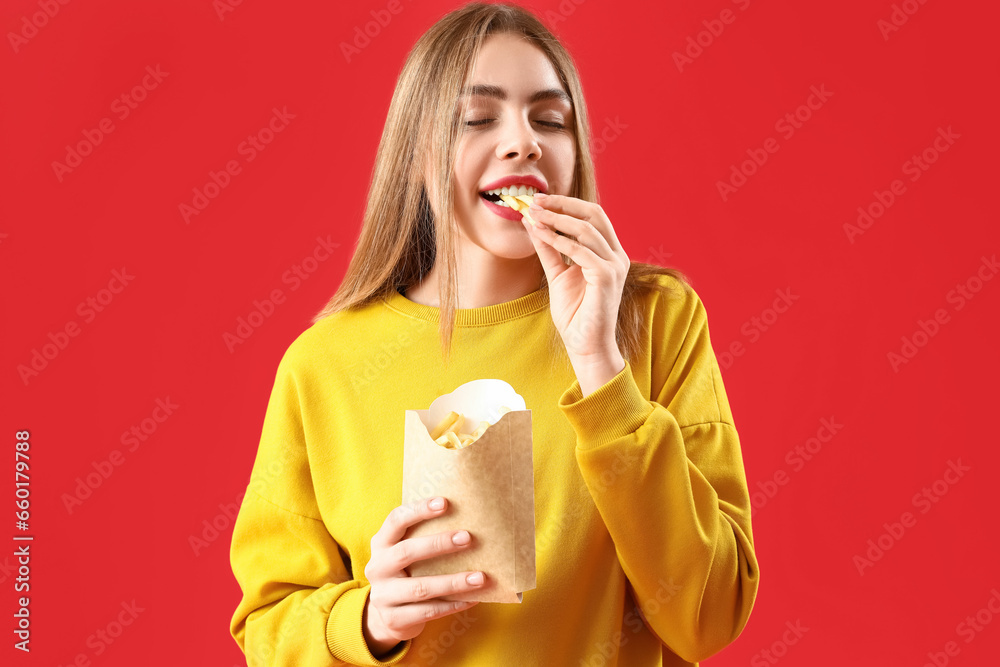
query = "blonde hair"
x=400 y=238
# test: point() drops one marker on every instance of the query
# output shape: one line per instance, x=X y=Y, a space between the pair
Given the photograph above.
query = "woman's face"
x=516 y=120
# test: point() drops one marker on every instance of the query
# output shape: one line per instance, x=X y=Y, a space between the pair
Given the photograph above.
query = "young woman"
x=644 y=550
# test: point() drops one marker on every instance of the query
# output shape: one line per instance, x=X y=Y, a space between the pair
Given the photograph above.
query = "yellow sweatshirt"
x=644 y=550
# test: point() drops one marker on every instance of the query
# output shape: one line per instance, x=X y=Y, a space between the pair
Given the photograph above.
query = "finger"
x=575 y=250
x=584 y=232
x=552 y=261
x=398 y=619
x=406 y=552
x=401 y=518
x=584 y=210
x=409 y=590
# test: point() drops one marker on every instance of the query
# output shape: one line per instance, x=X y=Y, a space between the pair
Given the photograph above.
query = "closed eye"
x=475 y=123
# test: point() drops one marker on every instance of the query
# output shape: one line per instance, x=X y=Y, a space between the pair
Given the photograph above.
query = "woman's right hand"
x=399 y=605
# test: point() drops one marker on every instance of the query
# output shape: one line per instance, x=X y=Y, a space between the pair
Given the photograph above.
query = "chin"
x=512 y=253
x=515 y=249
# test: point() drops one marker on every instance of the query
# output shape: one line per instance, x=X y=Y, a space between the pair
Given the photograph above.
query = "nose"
x=518 y=140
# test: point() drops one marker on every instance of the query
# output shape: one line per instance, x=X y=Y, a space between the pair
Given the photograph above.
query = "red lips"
x=527 y=179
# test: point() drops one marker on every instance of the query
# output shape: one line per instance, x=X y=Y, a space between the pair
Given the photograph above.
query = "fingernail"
x=461 y=537
x=476 y=578
x=437 y=503
x=535 y=207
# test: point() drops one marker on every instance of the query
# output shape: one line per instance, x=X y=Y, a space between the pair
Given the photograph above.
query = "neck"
x=486 y=280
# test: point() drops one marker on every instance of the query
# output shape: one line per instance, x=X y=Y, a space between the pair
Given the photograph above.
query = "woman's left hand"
x=583 y=297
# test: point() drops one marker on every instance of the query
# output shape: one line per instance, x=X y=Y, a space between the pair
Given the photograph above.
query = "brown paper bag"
x=490 y=490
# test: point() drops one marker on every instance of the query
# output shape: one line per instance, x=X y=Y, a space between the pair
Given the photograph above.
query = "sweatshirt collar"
x=474 y=317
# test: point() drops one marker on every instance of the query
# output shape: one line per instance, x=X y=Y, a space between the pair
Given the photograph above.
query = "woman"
x=644 y=550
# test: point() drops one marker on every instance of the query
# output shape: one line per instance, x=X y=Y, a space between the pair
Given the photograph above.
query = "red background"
x=678 y=133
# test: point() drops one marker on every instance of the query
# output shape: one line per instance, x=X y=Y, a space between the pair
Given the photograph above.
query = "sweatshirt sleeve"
x=667 y=477
x=300 y=605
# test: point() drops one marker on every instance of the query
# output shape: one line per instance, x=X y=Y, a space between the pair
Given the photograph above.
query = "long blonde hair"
x=400 y=236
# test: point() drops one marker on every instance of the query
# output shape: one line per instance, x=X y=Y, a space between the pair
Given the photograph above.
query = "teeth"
x=514 y=190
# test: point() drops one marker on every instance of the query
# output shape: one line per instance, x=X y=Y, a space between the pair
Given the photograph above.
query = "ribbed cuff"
x=345 y=636
x=610 y=412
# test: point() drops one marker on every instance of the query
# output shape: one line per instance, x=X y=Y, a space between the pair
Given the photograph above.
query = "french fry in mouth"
x=448 y=431
x=520 y=203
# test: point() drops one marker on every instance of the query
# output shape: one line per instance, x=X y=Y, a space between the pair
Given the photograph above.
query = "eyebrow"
x=499 y=93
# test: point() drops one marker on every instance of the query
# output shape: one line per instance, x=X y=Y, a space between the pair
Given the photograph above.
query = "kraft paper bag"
x=489 y=485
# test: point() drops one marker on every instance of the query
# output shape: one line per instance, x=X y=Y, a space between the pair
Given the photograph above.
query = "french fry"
x=448 y=432
x=456 y=426
x=445 y=424
x=483 y=425
x=520 y=203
